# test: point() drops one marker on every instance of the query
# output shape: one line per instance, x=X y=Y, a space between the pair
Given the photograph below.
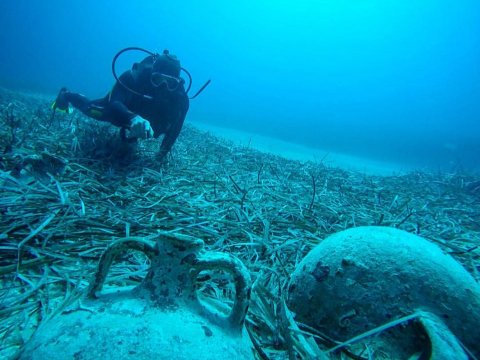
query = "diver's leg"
x=79 y=101
x=114 y=112
x=91 y=108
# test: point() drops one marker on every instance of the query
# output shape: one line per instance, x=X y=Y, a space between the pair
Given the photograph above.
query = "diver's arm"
x=173 y=132
x=122 y=117
x=171 y=136
x=119 y=114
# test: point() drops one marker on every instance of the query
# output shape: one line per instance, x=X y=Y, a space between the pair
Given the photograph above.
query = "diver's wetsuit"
x=165 y=110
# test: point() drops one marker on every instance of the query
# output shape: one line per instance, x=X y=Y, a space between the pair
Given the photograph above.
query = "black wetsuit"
x=164 y=109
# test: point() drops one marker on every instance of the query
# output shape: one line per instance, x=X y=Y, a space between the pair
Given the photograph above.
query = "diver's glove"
x=140 y=128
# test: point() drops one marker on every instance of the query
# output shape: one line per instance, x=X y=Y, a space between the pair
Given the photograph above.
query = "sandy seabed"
x=298 y=152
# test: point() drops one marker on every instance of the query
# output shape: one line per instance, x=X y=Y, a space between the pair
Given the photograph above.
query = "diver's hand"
x=140 y=128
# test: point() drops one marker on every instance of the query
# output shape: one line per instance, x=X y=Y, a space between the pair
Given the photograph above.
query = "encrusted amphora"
x=363 y=279
x=162 y=318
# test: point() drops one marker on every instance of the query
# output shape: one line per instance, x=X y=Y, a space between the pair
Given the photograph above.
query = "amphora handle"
x=116 y=247
x=203 y=261
x=241 y=277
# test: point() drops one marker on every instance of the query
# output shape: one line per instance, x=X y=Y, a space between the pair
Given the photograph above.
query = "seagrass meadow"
x=69 y=187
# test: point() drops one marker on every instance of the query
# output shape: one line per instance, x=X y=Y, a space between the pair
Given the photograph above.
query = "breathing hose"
x=114 y=61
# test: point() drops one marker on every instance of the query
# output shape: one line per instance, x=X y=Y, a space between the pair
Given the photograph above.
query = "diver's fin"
x=55 y=107
x=61 y=102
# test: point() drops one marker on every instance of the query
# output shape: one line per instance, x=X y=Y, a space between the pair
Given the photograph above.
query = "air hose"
x=154 y=56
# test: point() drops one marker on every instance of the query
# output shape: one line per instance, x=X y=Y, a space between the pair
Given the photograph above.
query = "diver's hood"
x=167 y=64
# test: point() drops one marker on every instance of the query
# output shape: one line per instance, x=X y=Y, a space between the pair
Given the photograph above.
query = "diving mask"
x=170 y=82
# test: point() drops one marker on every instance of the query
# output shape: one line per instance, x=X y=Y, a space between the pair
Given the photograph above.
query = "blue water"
x=394 y=80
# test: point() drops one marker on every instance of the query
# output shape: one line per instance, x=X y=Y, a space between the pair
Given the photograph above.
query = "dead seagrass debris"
x=260 y=207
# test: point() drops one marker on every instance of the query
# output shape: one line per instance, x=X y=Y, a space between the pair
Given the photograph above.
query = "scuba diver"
x=146 y=101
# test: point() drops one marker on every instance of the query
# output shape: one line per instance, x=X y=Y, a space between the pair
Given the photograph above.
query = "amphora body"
x=162 y=318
